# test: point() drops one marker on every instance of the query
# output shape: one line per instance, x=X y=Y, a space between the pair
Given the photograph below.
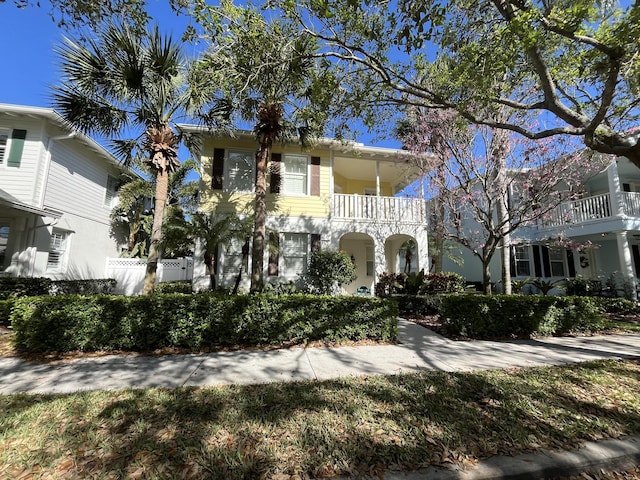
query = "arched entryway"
x=401 y=253
x=361 y=248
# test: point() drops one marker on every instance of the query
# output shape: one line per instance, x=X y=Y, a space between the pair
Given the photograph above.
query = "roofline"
x=53 y=116
x=331 y=143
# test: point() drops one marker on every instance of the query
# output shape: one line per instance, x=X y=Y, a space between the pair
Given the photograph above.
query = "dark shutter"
x=512 y=262
x=571 y=263
x=636 y=258
x=17 y=147
x=315 y=242
x=626 y=187
x=274 y=253
x=537 y=264
x=217 y=173
x=546 y=263
x=276 y=173
x=315 y=175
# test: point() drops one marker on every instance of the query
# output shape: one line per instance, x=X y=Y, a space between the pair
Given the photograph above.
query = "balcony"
x=378 y=209
x=593 y=208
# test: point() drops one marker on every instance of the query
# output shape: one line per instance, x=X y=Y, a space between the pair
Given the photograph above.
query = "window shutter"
x=537 y=264
x=217 y=173
x=315 y=242
x=276 y=172
x=17 y=146
x=546 y=263
x=572 y=266
x=315 y=175
x=512 y=261
x=274 y=253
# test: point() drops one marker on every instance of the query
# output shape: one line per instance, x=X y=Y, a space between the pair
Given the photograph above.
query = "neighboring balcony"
x=399 y=210
x=594 y=208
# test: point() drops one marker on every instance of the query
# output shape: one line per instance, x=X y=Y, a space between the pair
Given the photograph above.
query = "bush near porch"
x=195 y=322
x=520 y=316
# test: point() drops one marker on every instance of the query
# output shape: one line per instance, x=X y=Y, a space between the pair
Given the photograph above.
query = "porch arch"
x=361 y=248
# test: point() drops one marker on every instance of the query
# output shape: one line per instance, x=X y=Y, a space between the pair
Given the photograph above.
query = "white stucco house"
x=57 y=189
x=605 y=219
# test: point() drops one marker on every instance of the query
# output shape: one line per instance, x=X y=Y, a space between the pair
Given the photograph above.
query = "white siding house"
x=57 y=189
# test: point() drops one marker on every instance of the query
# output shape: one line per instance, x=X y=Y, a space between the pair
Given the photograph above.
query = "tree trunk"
x=486 y=276
x=505 y=240
x=162 y=188
x=260 y=222
x=210 y=262
x=245 y=255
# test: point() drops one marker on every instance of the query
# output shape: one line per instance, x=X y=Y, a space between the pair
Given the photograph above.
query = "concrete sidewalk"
x=418 y=349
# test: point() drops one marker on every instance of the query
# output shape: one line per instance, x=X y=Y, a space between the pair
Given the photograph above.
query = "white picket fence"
x=129 y=272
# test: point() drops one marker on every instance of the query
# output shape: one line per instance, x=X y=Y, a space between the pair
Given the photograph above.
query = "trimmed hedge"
x=173 y=287
x=12 y=287
x=5 y=311
x=195 y=322
x=520 y=316
x=418 y=304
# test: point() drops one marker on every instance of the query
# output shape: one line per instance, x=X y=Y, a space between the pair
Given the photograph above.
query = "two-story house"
x=607 y=216
x=57 y=189
x=334 y=196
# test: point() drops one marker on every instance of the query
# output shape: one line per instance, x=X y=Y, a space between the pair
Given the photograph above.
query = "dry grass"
x=312 y=429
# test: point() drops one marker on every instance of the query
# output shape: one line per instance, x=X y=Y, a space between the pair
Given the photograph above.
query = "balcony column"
x=377 y=199
x=625 y=258
x=617 y=205
x=332 y=186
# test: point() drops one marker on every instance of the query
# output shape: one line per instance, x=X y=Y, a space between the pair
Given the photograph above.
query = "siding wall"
x=24 y=182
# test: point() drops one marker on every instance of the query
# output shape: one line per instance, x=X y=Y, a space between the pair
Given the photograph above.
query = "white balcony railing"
x=593 y=208
x=380 y=209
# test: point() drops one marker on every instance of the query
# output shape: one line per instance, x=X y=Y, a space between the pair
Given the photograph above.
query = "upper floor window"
x=239 y=171
x=57 y=249
x=111 y=193
x=295 y=174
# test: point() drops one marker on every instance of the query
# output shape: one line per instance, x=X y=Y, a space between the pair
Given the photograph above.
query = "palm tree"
x=270 y=74
x=130 y=80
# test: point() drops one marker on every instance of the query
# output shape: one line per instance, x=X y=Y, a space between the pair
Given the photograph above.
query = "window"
x=294 y=253
x=4 y=240
x=370 y=262
x=295 y=174
x=522 y=261
x=556 y=261
x=240 y=175
x=233 y=258
x=4 y=139
x=111 y=192
x=57 y=249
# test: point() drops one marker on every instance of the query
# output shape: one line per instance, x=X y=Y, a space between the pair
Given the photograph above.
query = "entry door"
x=586 y=263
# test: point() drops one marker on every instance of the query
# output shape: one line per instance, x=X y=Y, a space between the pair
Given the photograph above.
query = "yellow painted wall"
x=277 y=204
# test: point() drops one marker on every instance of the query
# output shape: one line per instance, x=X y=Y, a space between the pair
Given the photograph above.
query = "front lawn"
x=310 y=429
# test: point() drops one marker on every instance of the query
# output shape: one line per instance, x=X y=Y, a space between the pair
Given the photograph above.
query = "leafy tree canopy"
x=573 y=63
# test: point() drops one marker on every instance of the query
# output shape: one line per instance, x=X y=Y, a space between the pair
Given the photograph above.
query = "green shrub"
x=616 y=305
x=11 y=287
x=174 y=287
x=5 y=311
x=23 y=287
x=196 y=321
x=480 y=316
x=418 y=283
x=418 y=304
x=328 y=271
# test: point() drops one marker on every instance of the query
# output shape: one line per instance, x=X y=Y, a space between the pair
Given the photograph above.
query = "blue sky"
x=28 y=37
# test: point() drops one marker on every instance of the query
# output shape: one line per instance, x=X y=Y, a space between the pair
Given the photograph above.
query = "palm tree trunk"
x=260 y=222
x=162 y=188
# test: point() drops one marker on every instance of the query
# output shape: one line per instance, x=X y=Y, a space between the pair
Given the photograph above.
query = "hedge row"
x=520 y=316
x=195 y=322
x=11 y=287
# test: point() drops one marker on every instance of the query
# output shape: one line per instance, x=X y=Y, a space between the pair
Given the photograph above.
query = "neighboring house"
x=335 y=196
x=57 y=189
x=607 y=215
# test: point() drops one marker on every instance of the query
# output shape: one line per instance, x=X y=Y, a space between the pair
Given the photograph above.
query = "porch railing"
x=631 y=203
x=381 y=209
x=580 y=211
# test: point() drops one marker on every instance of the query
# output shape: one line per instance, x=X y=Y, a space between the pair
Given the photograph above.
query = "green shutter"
x=17 y=146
